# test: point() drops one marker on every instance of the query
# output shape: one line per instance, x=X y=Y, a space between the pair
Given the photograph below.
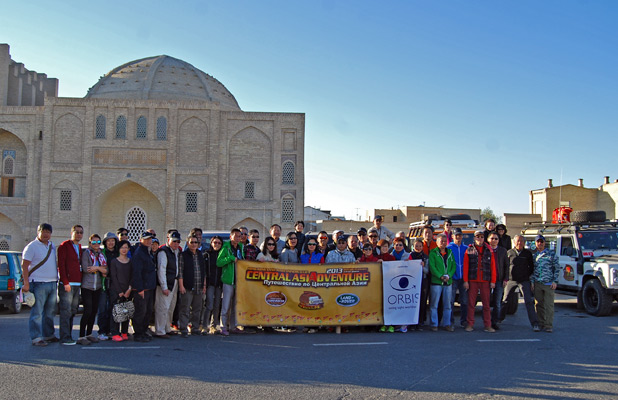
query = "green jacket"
x=437 y=268
x=226 y=260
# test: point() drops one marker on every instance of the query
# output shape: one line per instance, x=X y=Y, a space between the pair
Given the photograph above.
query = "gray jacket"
x=92 y=281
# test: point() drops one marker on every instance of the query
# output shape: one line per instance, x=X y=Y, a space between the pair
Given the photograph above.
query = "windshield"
x=598 y=240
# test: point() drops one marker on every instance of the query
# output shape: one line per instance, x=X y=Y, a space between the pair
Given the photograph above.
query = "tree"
x=488 y=213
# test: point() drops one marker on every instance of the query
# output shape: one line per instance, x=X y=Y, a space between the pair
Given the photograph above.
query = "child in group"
x=368 y=254
x=418 y=254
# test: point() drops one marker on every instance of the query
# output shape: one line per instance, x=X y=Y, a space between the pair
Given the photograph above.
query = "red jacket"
x=427 y=249
x=387 y=257
x=484 y=262
x=69 y=263
x=371 y=258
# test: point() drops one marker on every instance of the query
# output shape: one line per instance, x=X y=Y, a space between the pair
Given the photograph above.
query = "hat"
x=341 y=239
x=336 y=231
x=457 y=231
x=378 y=217
x=146 y=235
x=539 y=237
x=110 y=235
x=367 y=246
x=479 y=232
x=175 y=236
x=362 y=230
x=155 y=240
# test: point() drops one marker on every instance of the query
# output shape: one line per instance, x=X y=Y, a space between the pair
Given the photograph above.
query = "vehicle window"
x=551 y=243
x=598 y=240
x=566 y=245
x=4 y=265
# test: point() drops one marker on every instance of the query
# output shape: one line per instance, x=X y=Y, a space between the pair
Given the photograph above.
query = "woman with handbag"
x=120 y=288
x=94 y=268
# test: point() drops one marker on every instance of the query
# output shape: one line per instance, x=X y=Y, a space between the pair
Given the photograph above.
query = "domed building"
x=155 y=143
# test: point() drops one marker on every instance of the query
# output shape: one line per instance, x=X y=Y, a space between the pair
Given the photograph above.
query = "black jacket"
x=521 y=265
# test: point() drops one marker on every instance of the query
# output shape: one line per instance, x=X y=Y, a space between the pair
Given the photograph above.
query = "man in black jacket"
x=143 y=283
x=521 y=267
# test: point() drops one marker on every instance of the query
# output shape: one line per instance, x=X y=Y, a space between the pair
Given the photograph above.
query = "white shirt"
x=35 y=252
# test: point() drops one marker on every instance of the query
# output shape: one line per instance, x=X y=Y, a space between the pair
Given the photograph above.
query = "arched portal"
x=128 y=202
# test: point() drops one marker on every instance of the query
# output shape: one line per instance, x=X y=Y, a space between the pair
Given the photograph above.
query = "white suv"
x=588 y=256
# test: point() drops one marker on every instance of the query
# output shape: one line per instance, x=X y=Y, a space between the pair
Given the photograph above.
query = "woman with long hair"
x=269 y=252
x=311 y=254
x=120 y=287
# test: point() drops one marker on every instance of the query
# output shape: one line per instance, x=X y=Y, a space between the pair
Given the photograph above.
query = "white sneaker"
x=103 y=336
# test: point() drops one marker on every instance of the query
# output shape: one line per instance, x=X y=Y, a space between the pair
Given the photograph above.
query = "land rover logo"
x=347 y=299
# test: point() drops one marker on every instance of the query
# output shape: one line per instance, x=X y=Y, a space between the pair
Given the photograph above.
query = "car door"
x=567 y=257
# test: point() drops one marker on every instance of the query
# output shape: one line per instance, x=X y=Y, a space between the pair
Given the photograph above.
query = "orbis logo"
x=347 y=300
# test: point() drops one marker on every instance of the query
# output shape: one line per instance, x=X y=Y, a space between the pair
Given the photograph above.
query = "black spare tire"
x=588 y=216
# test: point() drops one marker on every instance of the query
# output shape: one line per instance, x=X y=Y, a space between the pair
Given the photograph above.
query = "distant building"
x=605 y=197
x=155 y=143
x=312 y=215
x=409 y=214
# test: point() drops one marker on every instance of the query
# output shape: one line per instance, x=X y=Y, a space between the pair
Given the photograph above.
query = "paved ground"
x=578 y=361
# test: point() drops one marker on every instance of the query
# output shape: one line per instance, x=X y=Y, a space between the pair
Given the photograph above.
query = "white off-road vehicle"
x=587 y=250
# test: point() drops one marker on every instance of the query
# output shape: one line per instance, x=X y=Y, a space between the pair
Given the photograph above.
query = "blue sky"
x=454 y=103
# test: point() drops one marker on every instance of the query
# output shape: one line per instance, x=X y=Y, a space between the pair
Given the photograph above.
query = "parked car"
x=10 y=280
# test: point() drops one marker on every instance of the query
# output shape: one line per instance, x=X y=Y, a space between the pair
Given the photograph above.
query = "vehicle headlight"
x=614 y=276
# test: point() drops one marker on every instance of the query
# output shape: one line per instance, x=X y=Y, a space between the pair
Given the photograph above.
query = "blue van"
x=10 y=280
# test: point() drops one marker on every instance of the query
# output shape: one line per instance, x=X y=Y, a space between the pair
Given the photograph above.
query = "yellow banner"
x=273 y=294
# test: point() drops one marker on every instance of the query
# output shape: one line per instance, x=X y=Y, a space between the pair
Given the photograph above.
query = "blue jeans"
x=41 y=324
x=436 y=292
x=458 y=284
x=69 y=302
x=496 y=295
x=104 y=315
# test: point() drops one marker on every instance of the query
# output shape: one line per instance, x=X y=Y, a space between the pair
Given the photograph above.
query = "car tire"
x=588 y=216
x=15 y=306
x=512 y=302
x=596 y=301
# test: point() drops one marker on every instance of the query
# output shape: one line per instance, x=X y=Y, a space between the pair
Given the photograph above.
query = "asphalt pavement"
x=578 y=360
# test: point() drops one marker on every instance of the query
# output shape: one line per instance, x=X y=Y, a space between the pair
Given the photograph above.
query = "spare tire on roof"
x=458 y=216
x=588 y=216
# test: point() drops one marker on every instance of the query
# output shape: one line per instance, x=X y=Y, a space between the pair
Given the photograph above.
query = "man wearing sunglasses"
x=143 y=282
x=479 y=274
x=69 y=269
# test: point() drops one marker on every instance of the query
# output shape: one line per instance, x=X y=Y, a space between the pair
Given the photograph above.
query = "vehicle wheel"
x=15 y=307
x=512 y=302
x=596 y=301
x=588 y=216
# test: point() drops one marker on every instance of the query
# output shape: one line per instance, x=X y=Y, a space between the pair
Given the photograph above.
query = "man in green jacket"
x=442 y=267
x=230 y=252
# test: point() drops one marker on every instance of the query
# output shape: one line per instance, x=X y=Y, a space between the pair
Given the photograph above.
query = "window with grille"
x=66 y=199
x=4 y=245
x=288 y=173
x=191 y=202
x=9 y=166
x=100 y=128
x=121 y=127
x=287 y=210
x=136 y=223
x=141 y=128
x=249 y=190
x=161 y=128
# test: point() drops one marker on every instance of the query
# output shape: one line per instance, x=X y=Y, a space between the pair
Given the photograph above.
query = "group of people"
x=191 y=290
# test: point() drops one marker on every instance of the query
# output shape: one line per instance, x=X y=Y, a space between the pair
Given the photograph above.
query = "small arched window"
x=287 y=210
x=99 y=132
x=121 y=127
x=136 y=223
x=9 y=166
x=287 y=176
x=142 y=124
x=161 y=128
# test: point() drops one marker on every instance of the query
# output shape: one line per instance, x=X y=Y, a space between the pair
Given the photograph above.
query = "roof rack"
x=578 y=226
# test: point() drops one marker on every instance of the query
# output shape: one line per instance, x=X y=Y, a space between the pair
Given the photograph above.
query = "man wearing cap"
x=479 y=274
x=40 y=274
x=337 y=233
x=521 y=267
x=502 y=276
x=544 y=282
x=383 y=232
x=459 y=251
x=373 y=238
x=143 y=284
x=361 y=234
x=341 y=254
x=167 y=289
x=69 y=269
x=104 y=315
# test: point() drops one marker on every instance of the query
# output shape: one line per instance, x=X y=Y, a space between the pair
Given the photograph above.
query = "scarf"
x=98 y=256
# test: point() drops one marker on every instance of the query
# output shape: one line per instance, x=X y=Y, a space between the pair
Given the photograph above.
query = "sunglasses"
x=270 y=244
x=312 y=244
x=193 y=242
x=373 y=236
x=323 y=238
x=96 y=242
x=216 y=242
x=479 y=236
